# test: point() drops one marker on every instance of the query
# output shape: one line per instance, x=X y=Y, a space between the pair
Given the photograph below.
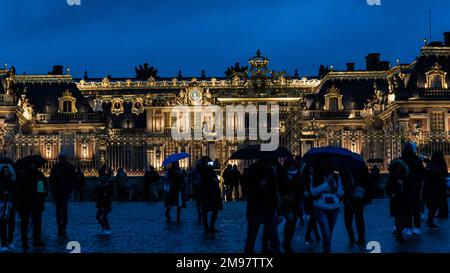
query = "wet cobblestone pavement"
x=139 y=227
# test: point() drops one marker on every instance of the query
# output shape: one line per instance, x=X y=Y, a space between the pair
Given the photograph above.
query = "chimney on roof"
x=350 y=66
x=446 y=38
x=384 y=65
x=372 y=61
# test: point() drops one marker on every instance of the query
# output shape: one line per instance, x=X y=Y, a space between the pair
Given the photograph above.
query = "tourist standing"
x=357 y=194
x=210 y=194
x=104 y=205
x=151 y=179
x=123 y=190
x=63 y=180
x=79 y=187
x=235 y=179
x=226 y=174
x=396 y=189
x=307 y=174
x=291 y=191
x=7 y=212
x=413 y=187
x=326 y=189
x=195 y=181
x=262 y=203
x=32 y=188
x=435 y=186
x=175 y=196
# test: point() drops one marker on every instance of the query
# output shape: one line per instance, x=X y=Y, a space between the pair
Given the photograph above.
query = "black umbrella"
x=6 y=160
x=375 y=160
x=24 y=162
x=340 y=158
x=254 y=152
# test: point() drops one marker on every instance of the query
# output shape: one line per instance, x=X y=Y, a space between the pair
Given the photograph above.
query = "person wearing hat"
x=396 y=189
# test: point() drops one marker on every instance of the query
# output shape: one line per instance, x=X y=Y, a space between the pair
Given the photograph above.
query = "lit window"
x=117 y=106
x=67 y=103
x=67 y=106
x=137 y=106
x=334 y=104
x=436 y=82
x=436 y=78
x=333 y=100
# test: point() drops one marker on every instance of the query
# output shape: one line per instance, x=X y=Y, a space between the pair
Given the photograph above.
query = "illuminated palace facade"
x=127 y=123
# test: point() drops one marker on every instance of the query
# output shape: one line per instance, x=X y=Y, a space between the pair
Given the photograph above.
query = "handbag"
x=359 y=191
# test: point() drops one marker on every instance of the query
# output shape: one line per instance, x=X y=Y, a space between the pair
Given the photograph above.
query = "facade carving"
x=127 y=123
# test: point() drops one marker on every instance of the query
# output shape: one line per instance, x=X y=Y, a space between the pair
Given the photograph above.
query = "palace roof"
x=44 y=95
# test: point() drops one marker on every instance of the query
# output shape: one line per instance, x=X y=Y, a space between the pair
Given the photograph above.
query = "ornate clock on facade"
x=195 y=96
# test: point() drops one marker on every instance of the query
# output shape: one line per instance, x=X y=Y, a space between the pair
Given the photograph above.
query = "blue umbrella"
x=175 y=157
x=340 y=158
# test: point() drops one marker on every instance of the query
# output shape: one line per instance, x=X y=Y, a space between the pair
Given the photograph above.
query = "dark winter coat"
x=104 y=198
x=8 y=188
x=28 y=198
x=175 y=178
x=434 y=192
x=210 y=190
x=151 y=177
x=262 y=191
x=291 y=191
x=357 y=178
x=234 y=177
x=63 y=178
x=414 y=180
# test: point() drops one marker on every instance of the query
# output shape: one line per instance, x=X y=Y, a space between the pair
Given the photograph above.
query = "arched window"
x=67 y=103
x=117 y=106
x=67 y=106
x=333 y=100
x=137 y=106
x=436 y=82
x=334 y=103
x=436 y=78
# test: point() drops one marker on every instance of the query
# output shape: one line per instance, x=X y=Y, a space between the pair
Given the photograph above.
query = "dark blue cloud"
x=111 y=37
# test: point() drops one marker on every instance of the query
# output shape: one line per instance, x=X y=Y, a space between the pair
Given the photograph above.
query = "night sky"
x=111 y=37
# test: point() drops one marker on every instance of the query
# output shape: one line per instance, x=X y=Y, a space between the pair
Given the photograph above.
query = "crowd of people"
x=291 y=190
x=205 y=190
x=412 y=187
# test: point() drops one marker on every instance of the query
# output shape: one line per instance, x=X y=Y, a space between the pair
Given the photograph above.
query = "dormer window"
x=67 y=103
x=67 y=106
x=333 y=100
x=117 y=106
x=137 y=106
x=436 y=78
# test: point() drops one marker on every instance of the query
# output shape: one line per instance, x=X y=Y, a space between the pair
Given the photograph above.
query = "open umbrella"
x=254 y=152
x=175 y=157
x=340 y=158
x=26 y=161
